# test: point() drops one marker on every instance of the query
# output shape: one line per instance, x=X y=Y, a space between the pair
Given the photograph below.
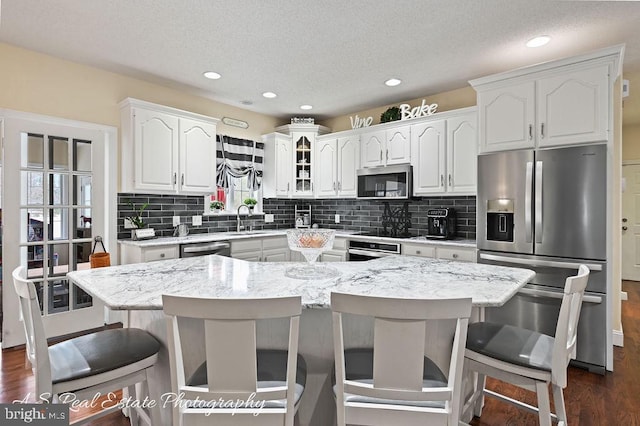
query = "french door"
x=59 y=194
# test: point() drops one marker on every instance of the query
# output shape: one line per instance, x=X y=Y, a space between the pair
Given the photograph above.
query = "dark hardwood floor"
x=591 y=399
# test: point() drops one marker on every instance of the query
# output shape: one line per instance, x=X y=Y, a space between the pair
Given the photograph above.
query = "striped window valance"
x=237 y=158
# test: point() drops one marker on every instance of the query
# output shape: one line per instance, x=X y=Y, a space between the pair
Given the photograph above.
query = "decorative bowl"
x=311 y=243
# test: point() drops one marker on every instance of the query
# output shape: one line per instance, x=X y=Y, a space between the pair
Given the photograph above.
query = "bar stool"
x=263 y=387
x=393 y=383
x=526 y=358
x=95 y=363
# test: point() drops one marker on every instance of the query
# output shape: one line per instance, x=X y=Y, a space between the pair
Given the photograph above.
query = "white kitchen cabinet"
x=549 y=106
x=573 y=107
x=386 y=147
x=337 y=161
x=136 y=254
x=165 y=150
x=255 y=249
x=289 y=169
x=338 y=252
x=278 y=173
x=457 y=253
x=398 y=149
x=419 y=250
x=444 y=155
x=507 y=117
x=461 y=254
x=462 y=154
x=429 y=157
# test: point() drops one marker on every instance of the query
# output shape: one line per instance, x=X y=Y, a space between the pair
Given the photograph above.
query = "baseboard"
x=618 y=338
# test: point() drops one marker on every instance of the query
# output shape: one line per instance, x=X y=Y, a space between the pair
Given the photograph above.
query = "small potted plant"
x=216 y=206
x=251 y=203
x=137 y=221
x=391 y=114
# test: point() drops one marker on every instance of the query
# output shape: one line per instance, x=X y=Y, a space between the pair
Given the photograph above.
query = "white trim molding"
x=618 y=338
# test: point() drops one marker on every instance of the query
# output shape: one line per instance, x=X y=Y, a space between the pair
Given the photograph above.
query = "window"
x=238 y=192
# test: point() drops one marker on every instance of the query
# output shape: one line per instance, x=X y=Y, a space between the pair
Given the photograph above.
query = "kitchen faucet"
x=238 y=220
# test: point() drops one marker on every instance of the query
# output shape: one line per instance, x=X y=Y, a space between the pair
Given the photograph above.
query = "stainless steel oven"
x=366 y=250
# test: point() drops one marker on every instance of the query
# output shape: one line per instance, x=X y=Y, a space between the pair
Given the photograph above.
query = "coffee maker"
x=441 y=223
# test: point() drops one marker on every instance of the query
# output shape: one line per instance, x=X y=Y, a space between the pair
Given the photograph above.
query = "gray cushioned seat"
x=100 y=352
x=272 y=371
x=511 y=344
x=359 y=368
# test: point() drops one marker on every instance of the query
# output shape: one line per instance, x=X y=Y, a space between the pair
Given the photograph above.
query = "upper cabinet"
x=443 y=154
x=337 y=160
x=278 y=158
x=559 y=103
x=165 y=150
x=386 y=147
x=290 y=156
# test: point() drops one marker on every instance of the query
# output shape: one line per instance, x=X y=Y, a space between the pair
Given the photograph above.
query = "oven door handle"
x=556 y=295
x=368 y=253
x=539 y=262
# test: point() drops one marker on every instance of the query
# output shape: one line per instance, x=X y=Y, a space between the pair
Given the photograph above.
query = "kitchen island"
x=138 y=289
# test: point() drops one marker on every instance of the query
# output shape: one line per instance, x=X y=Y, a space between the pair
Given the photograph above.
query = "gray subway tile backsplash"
x=355 y=215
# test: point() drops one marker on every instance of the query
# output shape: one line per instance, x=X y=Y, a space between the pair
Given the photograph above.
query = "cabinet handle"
x=380 y=155
x=530 y=131
x=182 y=180
x=542 y=130
x=288 y=186
x=311 y=186
x=339 y=186
x=450 y=179
x=441 y=180
x=175 y=178
x=334 y=186
x=387 y=154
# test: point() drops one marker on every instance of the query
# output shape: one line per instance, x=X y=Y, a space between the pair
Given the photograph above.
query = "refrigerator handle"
x=527 y=201
x=538 y=213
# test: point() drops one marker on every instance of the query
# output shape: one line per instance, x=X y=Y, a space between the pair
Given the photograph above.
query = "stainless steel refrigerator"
x=546 y=210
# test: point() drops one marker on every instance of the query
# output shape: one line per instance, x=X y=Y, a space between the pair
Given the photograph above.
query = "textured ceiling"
x=332 y=54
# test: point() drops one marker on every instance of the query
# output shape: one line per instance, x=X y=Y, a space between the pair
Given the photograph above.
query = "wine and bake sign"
x=404 y=112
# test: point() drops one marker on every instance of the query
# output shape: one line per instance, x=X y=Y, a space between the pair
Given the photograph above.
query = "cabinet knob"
x=455 y=255
x=624 y=228
x=418 y=252
x=161 y=254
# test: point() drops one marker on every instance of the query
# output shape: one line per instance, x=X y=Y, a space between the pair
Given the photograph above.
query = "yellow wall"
x=41 y=84
x=631 y=119
x=446 y=101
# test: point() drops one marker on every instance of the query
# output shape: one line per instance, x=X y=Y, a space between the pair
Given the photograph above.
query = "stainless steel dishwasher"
x=223 y=248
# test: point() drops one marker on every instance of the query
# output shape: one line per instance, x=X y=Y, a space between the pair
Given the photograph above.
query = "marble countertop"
x=140 y=286
x=227 y=236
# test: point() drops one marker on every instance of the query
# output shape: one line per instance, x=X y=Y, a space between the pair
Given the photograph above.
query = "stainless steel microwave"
x=385 y=183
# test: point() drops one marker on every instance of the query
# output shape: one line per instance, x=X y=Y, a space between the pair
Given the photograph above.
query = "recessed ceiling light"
x=269 y=95
x=306 y=107
x=538 y=41
x=392 y=82
x=212 y=75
